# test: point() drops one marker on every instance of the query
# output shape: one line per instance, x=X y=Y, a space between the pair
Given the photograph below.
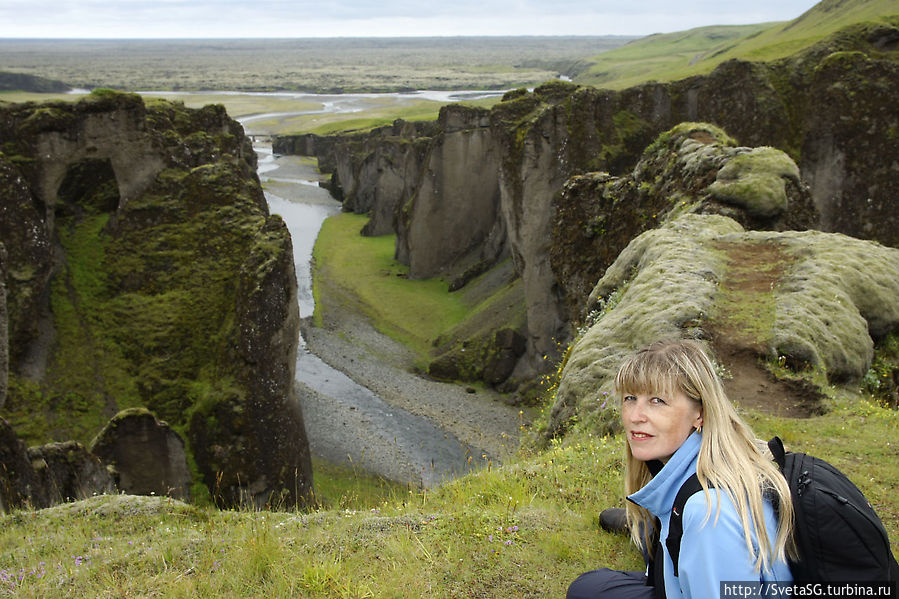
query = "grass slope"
x=674 y=56
x=524 y=530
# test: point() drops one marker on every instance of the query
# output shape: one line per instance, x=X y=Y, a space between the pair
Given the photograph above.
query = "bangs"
x=650 y=373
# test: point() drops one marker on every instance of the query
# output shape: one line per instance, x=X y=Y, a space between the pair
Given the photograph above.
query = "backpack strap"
x=676 y=523
x=776 y=446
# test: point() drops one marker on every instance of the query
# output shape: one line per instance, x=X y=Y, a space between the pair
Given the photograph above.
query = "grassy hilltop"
x=673 y=56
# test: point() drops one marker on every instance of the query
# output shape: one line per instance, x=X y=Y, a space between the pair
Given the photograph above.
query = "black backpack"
x=838 y=535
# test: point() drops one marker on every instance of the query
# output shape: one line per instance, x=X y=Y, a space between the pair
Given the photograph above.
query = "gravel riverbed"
x=362 y=402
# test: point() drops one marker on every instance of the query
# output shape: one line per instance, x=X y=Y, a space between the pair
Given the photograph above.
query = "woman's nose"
x=635 y=413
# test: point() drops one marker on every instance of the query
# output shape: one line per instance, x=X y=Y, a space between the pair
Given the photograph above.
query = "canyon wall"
x=829 y=108
x=142 y=269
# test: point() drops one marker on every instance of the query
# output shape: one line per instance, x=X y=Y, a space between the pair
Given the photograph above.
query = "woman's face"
x=657 y=425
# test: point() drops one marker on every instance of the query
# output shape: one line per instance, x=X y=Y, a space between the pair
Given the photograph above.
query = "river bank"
x=362 y=402
x=476 y=417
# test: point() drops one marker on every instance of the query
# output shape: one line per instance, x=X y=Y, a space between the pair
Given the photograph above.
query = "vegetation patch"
x=414 y=312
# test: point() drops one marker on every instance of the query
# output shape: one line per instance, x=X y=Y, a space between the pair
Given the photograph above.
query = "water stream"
x=346 y=422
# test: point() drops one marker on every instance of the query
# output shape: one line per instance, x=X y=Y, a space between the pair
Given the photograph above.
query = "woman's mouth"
x=640 y=436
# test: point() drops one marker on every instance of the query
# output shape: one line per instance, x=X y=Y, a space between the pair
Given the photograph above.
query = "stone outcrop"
x=146 y=455
x=453 y=222
x=39 y=477
x=145 y=229
x=827 y=300
x=67 y=472
x=828 y=108
x=694 y=167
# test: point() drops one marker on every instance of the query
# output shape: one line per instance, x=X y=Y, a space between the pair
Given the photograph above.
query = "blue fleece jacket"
x=712 y=551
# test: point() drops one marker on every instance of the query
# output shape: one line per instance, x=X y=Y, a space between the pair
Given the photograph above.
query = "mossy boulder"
x=755 y=182
x=833 y=300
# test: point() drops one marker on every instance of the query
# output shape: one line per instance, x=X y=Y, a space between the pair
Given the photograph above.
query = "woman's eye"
x=630 y=398
x=657 y=400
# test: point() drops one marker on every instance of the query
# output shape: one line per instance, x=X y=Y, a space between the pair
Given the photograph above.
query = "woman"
x=678 y=422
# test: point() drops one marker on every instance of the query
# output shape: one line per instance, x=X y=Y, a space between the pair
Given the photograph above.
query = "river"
x=345 y=421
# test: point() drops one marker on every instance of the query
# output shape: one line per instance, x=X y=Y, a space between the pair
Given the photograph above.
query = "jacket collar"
x=658 y=494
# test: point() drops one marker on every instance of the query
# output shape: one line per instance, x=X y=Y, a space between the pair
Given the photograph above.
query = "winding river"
x=345 y=421
x=378 y=437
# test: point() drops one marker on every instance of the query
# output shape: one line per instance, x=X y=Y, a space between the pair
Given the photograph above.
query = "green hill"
x=673 y=56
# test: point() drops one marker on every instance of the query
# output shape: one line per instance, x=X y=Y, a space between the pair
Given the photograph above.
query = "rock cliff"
x=143 y=269
x=828 y=111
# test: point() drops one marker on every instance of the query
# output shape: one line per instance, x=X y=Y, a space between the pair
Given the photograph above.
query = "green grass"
x=674 y=56
x=414 y=312
x=660 y=57
x=525 y=529
x=340 y=486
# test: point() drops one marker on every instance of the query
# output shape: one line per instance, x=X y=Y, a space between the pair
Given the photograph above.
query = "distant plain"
x=328 y=65
x=271 y=74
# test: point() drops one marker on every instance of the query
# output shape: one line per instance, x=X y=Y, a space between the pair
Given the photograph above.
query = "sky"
x=376 y=18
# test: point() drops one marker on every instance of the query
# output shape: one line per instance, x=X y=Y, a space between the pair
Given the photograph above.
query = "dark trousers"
x=610 y=584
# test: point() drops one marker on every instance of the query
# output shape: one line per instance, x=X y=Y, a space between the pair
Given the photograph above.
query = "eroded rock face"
x=147 y=456
x=146 y=230
x=254 y=452
x=452 y=220
x=828 y=110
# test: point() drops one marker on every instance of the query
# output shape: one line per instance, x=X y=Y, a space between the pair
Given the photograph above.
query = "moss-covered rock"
x=838 y=297
x=661 y=286
x=172 y=287
x=835 y=296
x=683 y=170
x=755 y=182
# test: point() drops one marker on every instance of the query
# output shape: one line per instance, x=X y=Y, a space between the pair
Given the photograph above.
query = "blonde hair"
x=731 y=459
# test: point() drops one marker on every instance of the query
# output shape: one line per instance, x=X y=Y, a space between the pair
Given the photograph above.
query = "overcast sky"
x=388 y=18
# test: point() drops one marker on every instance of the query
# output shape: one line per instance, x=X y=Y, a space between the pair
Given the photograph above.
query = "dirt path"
x=743 y=327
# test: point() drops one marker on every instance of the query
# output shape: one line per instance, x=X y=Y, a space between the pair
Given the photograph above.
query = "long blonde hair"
x=730 y=459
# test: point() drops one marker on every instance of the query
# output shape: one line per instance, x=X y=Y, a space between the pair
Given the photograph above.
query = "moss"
x=834 y=295
x=755 y=181
x=839 y=293
x=48 y=118
x=706 y=132
x=665 y=278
